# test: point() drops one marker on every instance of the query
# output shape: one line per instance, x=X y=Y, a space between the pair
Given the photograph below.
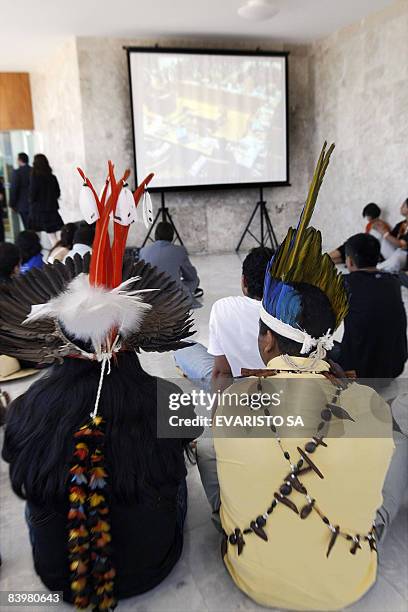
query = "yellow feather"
x=300 y=257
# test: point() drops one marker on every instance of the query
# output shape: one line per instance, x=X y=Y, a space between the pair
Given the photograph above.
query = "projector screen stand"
x=164 y=215
x=267 y=231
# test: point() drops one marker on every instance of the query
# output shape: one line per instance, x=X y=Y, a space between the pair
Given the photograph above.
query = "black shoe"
x=198 y=292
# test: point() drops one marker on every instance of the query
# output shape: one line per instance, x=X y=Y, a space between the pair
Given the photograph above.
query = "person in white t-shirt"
x=233 y=330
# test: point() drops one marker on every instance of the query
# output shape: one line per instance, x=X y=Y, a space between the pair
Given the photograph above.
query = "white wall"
x=351 y=88
x=360 y=81
x=58 y=122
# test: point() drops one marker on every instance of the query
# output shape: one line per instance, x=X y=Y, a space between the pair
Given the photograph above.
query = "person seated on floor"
x=171 y=258
x=106 y=498
x=30 y=249
x=233 y=330
x=82 y=241
x=297 y=505
x=9 y=262
x=397 y=239
x=372 y=215
x=64 y=245
x=374 y=343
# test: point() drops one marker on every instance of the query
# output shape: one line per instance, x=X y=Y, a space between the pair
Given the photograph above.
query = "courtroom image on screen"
x=209 y=119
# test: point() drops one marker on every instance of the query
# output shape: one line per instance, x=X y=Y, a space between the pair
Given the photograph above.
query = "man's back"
x=170 y=258
x=19 y=197
x=291 y=570
x=234 y=325
x=374 y=342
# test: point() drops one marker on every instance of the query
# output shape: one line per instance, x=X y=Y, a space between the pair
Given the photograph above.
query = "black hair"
x=364 y=250
x=84 y=234
x=41 y=165
x=9 y=259
x=23 y=157
x=28 y=244
x=253 y=270
x=41 y=423
x=164 y=231
x=372 y=210
x=316 y=318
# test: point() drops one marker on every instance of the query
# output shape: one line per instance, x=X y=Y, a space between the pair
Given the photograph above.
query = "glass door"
x=11 y=144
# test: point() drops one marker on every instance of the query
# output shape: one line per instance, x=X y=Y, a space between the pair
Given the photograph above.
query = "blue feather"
x=281 y=300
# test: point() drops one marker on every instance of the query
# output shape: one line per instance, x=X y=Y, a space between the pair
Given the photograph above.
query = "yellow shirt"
x=291 y=569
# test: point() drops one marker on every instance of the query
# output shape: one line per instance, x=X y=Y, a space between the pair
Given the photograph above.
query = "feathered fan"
x=165 y=324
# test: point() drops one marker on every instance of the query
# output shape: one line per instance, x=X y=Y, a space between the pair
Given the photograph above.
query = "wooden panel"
x=16 y=111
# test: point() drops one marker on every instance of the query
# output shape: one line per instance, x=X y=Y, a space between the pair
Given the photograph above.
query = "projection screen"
x=209 y=119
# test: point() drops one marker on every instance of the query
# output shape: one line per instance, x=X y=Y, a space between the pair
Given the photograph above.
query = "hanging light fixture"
x=258 y=10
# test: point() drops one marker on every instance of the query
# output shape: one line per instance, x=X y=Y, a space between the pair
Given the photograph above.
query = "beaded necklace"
x=292 y=482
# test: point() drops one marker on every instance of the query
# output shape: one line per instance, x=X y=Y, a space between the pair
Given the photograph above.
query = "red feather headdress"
x=100 y=308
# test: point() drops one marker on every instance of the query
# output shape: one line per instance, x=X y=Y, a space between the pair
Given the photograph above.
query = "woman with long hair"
x=61 y=249
x=44 y=195
x=106 y=495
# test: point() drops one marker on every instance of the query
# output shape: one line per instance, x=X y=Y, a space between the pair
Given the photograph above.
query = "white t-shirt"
x=234 y=326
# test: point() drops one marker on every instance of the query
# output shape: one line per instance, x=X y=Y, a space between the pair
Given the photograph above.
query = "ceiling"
x=31 y=29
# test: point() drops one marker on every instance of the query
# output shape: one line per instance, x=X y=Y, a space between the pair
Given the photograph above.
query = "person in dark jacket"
x=30 y=249
x=3 y=207
x=375 y=329
x=20 y=187
x=171 y=258
x=44 y=194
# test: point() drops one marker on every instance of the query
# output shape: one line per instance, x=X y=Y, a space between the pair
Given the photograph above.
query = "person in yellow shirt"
x=298 y=504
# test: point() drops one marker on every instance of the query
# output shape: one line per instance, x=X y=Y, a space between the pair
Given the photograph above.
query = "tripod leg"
x=263 y=215
x=271 y=232
x=246 y=230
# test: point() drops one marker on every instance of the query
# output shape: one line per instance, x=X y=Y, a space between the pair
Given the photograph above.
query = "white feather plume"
x=147 y=209
x=89 y=313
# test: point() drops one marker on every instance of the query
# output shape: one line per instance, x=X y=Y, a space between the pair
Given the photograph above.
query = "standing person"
x=106 y=498
x=44 y=194
x=171 y=258
x=30 y=249
x=3 y=207
x=20 y=188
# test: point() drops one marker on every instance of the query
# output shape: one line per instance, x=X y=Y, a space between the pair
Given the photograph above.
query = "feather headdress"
x=93 y=299
x=299 y=259
x=92 y=307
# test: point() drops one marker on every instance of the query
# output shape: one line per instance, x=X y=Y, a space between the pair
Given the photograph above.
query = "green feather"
x=300 y=258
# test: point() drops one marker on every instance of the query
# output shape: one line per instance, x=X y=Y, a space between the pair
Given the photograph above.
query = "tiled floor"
x=199 y=581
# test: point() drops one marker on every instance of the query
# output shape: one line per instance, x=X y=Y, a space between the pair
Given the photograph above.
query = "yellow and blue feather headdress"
x=299 y=259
